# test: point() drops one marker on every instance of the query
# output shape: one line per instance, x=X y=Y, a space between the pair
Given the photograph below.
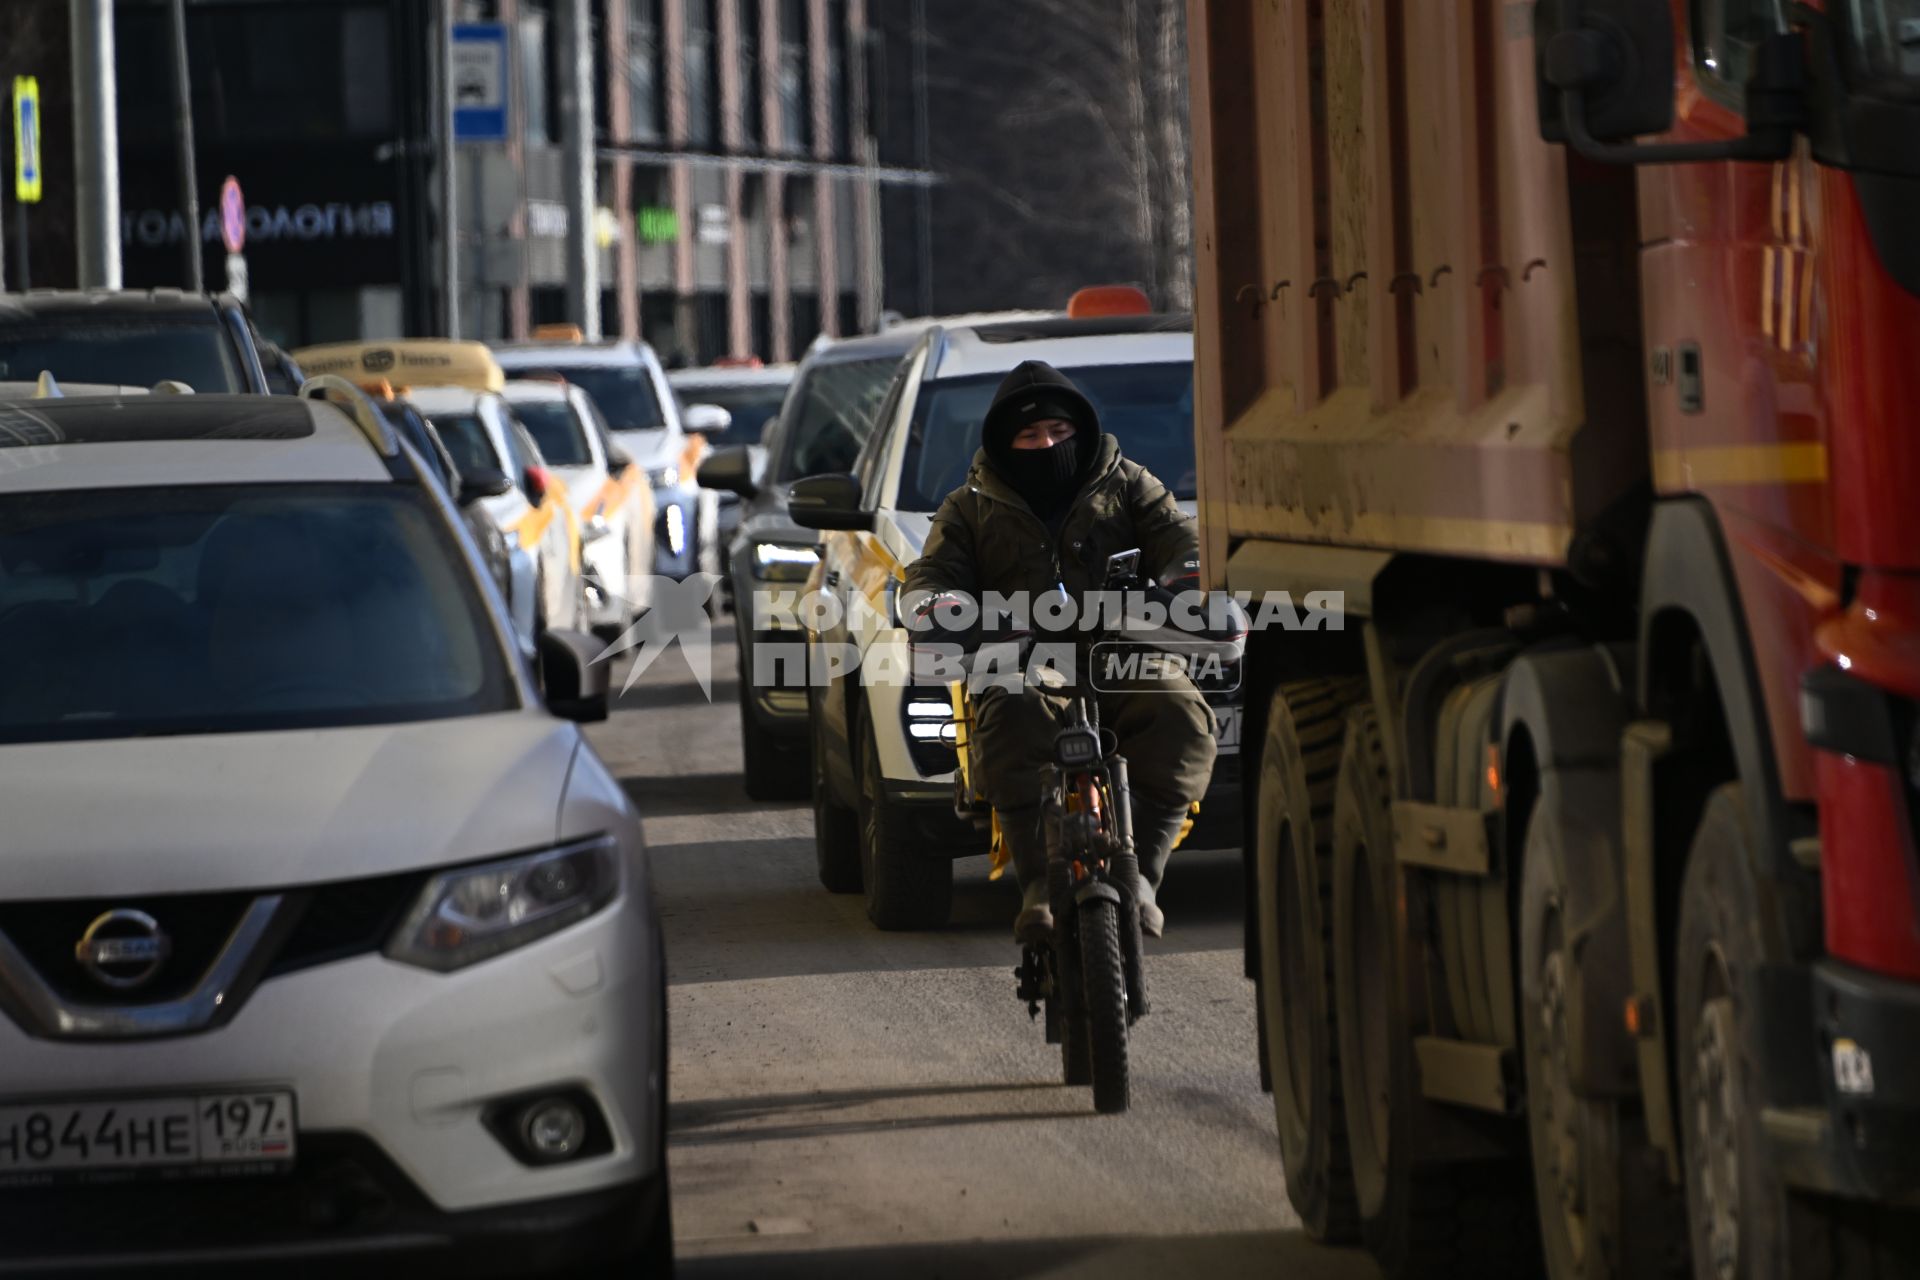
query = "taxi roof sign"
x=558 y=333
x=26 y=139
x=420 y=362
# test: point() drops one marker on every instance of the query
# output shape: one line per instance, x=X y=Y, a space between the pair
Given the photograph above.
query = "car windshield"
x=556 y=428
x=1886 y=46
x=623 y=392
x=137 y=354
x=234 y=608
x=833 y=415
x=467 y=440
x=752 y=406
x=1147 y=407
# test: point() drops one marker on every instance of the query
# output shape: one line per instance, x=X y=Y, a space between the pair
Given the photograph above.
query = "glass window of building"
x=837 y=75
x=536 y=93
x=796 y=110
x=646 y=79
x=751 y=82
x=703 y=86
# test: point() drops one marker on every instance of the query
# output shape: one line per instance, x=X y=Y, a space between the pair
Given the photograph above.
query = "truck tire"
x=1743 y=1223
x=1417 y=1220
x=1604 y=1213
x=1293 y=882
x=836 y=828
x=908 y=887
x=1103 y=976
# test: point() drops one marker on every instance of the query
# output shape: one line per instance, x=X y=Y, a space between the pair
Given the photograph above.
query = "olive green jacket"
x=986 y=538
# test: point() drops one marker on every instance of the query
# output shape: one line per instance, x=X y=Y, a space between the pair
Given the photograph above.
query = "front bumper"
x=345 y=1201
x=1862 y=1139
x=401 y=1062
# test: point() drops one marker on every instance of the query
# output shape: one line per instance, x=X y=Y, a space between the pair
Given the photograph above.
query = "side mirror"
x=575 y=686
x=706 y=419
x=1604 y=72
x=828 y=502
x=729 y=469
x=483 y=482
x=618 y=459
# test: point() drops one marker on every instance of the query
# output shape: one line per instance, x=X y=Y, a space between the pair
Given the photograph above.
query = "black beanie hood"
x=1033 y=391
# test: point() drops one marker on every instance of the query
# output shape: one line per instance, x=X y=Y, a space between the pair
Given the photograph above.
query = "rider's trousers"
x=1165 y=728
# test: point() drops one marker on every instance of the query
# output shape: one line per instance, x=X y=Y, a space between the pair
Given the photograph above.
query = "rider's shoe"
x=1154 y=831
x=1026 y=843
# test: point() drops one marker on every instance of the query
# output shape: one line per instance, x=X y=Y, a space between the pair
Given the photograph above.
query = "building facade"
x=736 y=168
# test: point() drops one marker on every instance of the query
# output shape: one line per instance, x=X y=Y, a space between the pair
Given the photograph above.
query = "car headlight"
x=779 y=562
x=474 y=913
x=595 y=528
x=664 y=477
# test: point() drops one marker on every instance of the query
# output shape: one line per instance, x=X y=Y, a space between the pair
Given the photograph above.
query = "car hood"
x=583 y=484
x=260 y=810
x=652 y=448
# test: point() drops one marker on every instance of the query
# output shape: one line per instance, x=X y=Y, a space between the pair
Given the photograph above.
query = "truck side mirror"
x=1604 y=72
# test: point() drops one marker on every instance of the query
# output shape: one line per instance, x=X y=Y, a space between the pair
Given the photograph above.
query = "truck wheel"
x=908 y=887
x=1416 y=1219
x=1293 y=881
x=836 y=828
x=1578 y=1164
x=1743 y=1223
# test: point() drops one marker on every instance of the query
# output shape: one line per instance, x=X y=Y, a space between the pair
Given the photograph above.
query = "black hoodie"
x=1048 y=479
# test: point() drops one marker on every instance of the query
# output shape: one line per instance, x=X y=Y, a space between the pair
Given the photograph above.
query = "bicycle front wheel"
x=1103 y=980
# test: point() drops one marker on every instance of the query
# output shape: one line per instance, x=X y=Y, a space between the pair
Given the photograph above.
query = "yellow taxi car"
x=456 y=386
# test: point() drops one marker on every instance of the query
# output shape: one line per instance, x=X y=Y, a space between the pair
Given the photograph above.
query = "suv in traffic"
x=307 y=882
x=883 y=749
x=130 y=337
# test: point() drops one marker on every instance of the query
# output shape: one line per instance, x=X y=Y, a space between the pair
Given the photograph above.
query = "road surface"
x=851 y=1103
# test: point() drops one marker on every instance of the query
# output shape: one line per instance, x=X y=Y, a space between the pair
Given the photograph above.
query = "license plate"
x=215 y=1132
x=1226 y=738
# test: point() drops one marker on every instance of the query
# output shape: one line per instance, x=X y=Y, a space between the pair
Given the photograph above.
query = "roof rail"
x=171 y=387
x=360 y=407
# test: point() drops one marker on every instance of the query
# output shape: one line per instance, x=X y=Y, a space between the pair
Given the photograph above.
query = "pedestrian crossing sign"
x=26 y=139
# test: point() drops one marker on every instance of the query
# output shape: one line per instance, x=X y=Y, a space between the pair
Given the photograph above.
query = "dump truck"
x=1575 y=347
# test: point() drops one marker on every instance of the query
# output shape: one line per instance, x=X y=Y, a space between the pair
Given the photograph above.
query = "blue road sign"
x=479 y=76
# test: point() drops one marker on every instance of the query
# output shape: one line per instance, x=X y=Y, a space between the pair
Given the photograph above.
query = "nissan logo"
x=123 y=949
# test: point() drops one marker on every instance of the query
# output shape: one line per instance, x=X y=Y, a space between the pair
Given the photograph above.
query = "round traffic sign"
x=233 y=216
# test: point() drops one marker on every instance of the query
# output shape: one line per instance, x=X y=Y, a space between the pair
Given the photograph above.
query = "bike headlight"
x=474 y=913
x=776 y=562
x=595 y=528
x=664 y=477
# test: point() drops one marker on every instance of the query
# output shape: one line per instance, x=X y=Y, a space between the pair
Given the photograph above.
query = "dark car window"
x=1147 y=407
x=131 y=353
x=623 y=392
x=556 y=429
x=234 y=608
x=752 y=407
x=466 y=439
x=832 y=416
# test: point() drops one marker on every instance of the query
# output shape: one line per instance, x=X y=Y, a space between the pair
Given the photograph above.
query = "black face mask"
x=1046 y=478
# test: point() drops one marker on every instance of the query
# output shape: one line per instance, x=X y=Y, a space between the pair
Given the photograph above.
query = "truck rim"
x=1560 y=1112
x=1716 y=1123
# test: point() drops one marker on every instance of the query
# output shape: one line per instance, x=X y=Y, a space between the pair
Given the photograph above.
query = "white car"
x=480 y=430
x=627 y=383
x=611 y=500
x=883 y=755
x=323 y=931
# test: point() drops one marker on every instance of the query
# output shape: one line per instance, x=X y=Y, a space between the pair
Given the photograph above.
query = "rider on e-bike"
x=1048 y=500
